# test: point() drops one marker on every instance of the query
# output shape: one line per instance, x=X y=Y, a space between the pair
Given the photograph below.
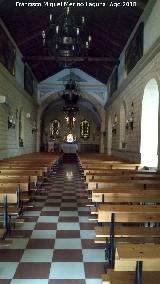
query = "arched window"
x=54 y=128
x=85 y=129
x=149 y=125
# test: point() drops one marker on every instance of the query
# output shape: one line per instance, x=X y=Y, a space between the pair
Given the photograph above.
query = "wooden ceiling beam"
x=69 y=59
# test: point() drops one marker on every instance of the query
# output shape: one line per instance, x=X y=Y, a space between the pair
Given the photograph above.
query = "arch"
x=122 y=136
x=109 y=136
x=149 y=125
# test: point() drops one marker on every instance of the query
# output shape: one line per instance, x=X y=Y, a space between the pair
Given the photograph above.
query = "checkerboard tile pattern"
x=55 y=245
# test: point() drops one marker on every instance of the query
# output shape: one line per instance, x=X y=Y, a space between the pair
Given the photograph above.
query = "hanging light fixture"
x=65 y=38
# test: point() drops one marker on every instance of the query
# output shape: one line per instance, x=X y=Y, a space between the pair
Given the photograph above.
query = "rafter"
x=69 y=59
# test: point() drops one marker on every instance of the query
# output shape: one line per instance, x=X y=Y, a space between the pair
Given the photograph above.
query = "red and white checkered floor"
x=55 y=245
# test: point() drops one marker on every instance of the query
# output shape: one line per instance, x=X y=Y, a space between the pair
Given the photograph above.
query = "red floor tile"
x=33 y=270
x=49 y=213
x=40 y=244
x=67 y=255
x=68 y=234
x=90 y=244
x=46 y=226
x=68 y=219
x=10 y=255
x=94 y=269
x=66 y=281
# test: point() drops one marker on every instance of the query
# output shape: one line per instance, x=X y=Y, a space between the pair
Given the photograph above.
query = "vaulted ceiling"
x=110 y=28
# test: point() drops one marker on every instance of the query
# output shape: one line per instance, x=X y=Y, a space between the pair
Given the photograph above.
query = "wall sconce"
x=21 y=143
x=130 y=120
x=2 y=100
x=11 y=122
x=114 y=126
x=34 y=127
x=124 y=144
x=28 y=115
x=127 y=124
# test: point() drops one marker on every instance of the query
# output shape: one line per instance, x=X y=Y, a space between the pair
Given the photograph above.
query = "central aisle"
x=55 y=245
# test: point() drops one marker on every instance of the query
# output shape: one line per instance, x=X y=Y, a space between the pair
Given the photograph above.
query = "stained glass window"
x=54 y=128
x=85 y=129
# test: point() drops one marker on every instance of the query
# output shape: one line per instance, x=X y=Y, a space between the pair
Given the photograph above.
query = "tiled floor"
x=55 y=245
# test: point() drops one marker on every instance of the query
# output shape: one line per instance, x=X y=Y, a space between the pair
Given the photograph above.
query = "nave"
x=55 y=244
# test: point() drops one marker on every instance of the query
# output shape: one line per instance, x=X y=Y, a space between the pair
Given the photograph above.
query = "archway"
x=149 y=125
x=109 y=137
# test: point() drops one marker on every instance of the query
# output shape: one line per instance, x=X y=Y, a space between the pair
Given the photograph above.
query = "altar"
x=69 y=147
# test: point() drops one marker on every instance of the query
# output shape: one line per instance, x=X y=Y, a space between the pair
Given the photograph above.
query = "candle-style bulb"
x=82 y=19
x=77 y=31
x=67 y=10
x=57 y=29
x=43 y=34
x=51 y=17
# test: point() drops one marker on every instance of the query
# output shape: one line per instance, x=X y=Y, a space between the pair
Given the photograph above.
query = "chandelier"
x=65 y=38
x=70 y=93
x=71 y=97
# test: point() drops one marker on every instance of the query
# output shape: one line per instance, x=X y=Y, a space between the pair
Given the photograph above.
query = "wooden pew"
x=129 y=213
x=23 y=168
x=21 y=172
x=31 y=178
x=127 y=255
x=9 y=207
x=123 y=176
x=128 y=277
x=122 y=231
x=7 y=183
x=101 y=183
x=125 y=195
x=110 y=166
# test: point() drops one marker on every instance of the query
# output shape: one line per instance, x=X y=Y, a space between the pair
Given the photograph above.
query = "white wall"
x=19 y=65
x=151 y=33
x=16 y=99
x=150 y=17
x=132 y=91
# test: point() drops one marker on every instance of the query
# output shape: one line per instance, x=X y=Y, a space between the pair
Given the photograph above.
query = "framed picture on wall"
x=134 y=51
x=7 y=52
x=28 y=81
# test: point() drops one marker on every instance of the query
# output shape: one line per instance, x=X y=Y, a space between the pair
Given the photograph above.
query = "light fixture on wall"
x=130 y=120
x=11 y=121
x=66 y=39
x=34 y=127
x=114 y=126
x=2 y=99
x=28 y=115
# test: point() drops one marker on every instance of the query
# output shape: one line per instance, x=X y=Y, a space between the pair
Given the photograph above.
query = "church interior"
x=79 y=142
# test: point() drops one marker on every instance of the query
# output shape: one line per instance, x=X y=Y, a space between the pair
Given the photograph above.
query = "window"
x=54 y=128
x=85 y=129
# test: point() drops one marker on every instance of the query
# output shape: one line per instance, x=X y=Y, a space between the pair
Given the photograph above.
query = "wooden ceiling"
x=110 y=28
